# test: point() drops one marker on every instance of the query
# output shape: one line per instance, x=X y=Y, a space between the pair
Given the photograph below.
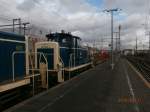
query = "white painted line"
x=131 y=89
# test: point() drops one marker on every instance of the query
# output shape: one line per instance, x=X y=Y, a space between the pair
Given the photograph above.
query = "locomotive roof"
x=12 y=36
x=63 y=35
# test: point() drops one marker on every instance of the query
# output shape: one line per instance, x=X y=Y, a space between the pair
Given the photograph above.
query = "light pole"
x=112 y=12
x=116 y=40
x=119 y=39
x=136 y=46
x=147 y=33
x=24 y=27
x=14 y=20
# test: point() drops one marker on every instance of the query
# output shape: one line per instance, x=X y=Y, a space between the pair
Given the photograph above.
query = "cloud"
x=128 y=6
x=27 y=5
x=80 y=17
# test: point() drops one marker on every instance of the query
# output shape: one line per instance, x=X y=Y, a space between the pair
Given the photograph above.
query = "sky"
x=84 y=18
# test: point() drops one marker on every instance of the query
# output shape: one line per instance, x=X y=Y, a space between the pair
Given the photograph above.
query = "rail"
x=142 y=65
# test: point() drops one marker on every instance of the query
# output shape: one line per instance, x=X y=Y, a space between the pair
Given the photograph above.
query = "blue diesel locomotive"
x=63 y=51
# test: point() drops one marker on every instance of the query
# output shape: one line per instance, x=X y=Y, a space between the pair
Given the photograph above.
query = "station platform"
x=99 y=89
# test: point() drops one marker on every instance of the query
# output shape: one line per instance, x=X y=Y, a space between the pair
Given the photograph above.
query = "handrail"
x=46 y=65
x=33 y=84
x=23 y=52
x=70 y=63
x=63 y=65
x=35 y=69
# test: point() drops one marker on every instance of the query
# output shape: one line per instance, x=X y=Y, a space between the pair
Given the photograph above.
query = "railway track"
x=142 y=65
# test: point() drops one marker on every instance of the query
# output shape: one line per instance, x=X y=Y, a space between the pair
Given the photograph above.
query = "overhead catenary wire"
x=3 y=18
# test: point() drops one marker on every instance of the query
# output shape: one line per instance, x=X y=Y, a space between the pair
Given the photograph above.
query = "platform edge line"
x=139 y=74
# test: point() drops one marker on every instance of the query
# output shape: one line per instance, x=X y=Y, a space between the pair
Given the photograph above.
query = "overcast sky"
x=84 y=18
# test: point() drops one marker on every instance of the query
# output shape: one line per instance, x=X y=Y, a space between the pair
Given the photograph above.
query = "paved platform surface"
x=98 y=90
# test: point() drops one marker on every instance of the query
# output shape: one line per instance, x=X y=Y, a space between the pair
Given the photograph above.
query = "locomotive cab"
x=68 y=47
x=71 y=51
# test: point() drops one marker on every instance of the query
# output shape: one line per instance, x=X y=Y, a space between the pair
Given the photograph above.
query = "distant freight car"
x=104 y=55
